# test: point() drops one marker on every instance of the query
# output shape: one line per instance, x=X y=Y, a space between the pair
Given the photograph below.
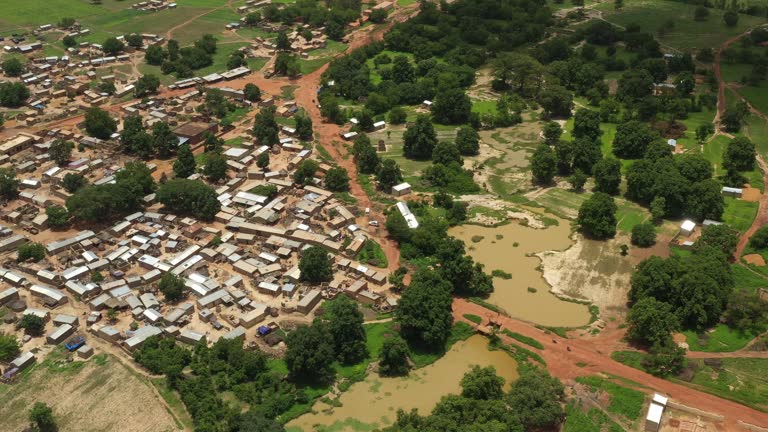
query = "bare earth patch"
x=593 y=270
x=99 y=396
x=754 y=259
x=751 y=194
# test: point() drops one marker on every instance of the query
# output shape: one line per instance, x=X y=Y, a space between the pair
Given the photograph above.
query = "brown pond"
x=526 y=294
x=373 y=403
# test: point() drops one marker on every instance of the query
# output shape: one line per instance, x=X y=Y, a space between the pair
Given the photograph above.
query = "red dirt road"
x=594 y=355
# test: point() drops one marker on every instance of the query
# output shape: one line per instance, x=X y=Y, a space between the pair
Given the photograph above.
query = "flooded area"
x=373 y=403
x=511 y=248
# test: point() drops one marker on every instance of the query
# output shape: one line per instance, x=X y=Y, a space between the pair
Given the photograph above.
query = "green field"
x=686 y=33
x=713 y=152
x=739 y=379
x=739 y=214
x=722 y=339
x=757 y=96
x=624 y=401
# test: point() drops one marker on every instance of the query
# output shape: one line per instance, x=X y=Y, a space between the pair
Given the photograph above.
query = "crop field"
x=740 y=379
x=84 y=396
x=739 y=214
x=685 y=32
x=722 y=339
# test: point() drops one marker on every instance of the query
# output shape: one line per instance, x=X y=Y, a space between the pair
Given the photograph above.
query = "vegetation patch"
x=524 y=339
x=474 y=318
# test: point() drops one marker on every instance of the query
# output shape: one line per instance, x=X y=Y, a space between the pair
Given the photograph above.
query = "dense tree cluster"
x=102 y=203
x=183 y=61
x=333 y=15
x=315 y=265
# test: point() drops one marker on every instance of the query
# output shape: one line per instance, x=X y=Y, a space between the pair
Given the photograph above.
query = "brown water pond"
x=526 y=294
x=373 y=403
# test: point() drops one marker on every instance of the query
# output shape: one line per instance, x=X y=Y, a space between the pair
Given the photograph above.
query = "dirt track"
x=593 y=354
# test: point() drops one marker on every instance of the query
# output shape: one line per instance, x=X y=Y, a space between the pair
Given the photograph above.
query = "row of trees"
x=182 y=61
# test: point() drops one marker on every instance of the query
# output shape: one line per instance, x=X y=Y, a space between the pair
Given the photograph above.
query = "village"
x=241 y=270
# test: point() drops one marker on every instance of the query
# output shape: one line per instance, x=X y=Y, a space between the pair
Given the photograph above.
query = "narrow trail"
x=591 y=356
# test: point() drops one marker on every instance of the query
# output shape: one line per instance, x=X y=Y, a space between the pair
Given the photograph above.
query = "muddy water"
x=497 y=251
x=375 y=401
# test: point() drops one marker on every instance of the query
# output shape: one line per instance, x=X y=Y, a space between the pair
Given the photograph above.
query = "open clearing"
x=97 y=395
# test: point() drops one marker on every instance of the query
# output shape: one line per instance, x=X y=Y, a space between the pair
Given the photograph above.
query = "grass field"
x=686 y=33
x=722 y=339
x=624 y=401
x=746 y=279
x=713 y=152
x=757 y=96
x=739 y=214
x=588 y=420
x=739 y=379
x=757 y=130
x=85 y=396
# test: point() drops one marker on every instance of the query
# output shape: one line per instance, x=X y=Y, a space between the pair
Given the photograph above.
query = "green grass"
x=734 y=72
x=687 y=33
x=747 y=279
x=235 y=116
x=630 y=358
x=739 y=214
x=373 y=254
x=722 y=339
x=483 y=107
x=173 y=400
x=473 y=318
x=309 y=66
x=739 y=379
x=485 y=304
x=524 y=339
x=713 y=152
x=593 y=419
x=405 y=3
x=757 y=130
x=220 y=58
x=757 y=96
x=624 y=401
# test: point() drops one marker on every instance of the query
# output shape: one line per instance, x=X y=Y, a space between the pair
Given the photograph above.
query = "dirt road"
x=594 y=356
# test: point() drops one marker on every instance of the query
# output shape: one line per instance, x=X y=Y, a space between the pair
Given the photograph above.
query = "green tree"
x=389 y=175
x=482 y=383
x=215 y=167
x=315 y=265
x=584 y=153
x=252 y=92
x=172 y=287
x=468 y=141
x=265 y=128
x=72 y=182
x=739 y=154
x=305 y=172
x=262 y=161
x=99 y=124
x=60 y=151
x=154 y=55
x=402 y=70
x=30 y=251
x=586 y=124
x=13 y=94
x=33 y=325
x=345 y=324
x=658 y=208
x=651 y=322
x=746 y=312
x=556 y=101
x=397 y=115
x=451 y=107
x=282 y=43
x=424 y=311
x=703 y=131
x=644 y=234
x=705 y=200
x=632 y=139
x=41 y=415
x=337 y=180
x=9 y=184
x=185 y=164
x=577 y=180
x=597 y=216
x=13 y=67
x=10 y=348
x=664 y=360
x=304 y=127
x=607 y=174
x=254 y=421
x=310 y=355
x=759 y=239
x=393 y=357
x=731 y=18
x=58 y=216
x=543 y=164
x=552 y=133
x=701 y=13
x=112 y=46
x=137 y=177
x=537 y=398
x=66 y=22
x=134 y=40
x=732 y=119
x=163 y=140
x=252 y=18
x=721 y=237
x=446 y=153
x=189 y=197
x=146 y=85
x=368 y=161
x=419 y=139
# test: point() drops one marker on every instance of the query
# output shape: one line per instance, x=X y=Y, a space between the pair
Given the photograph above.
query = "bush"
x=33 y=251
x=759 y=239
x=644 y=235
